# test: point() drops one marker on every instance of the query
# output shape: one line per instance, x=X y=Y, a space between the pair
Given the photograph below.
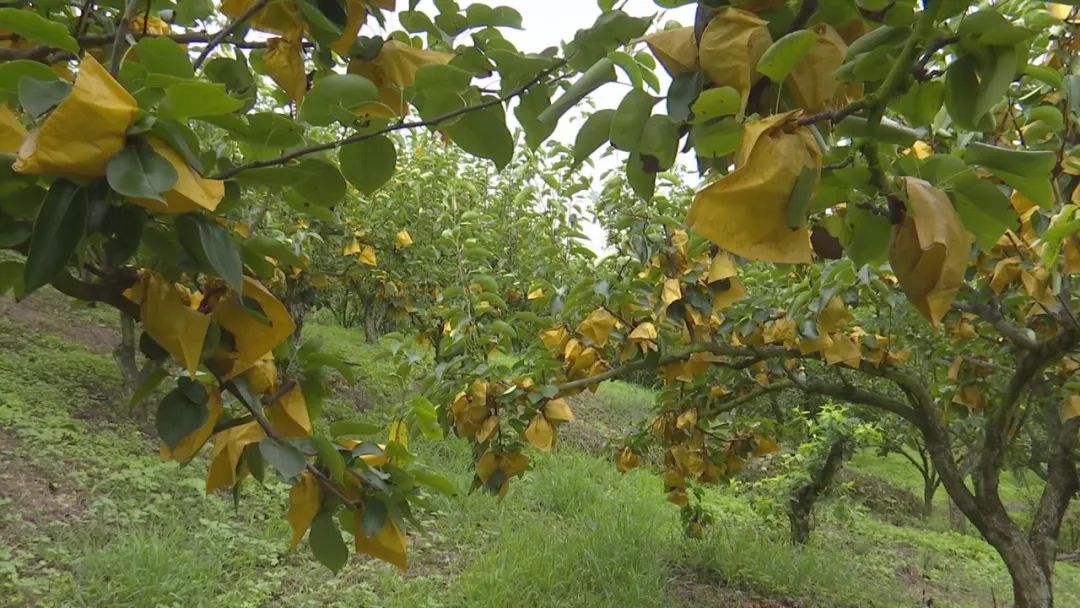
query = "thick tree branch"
x=111 y=294
x=991 y=313
x=401 y=126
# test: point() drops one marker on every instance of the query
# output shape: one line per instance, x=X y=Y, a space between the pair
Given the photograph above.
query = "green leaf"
x=368 y=164
x=39 y=96
x=181 y=412
x=160 y=55
x=984 y=209
x=659 y=143
x=58 y=229
x=601 y=73
x=718 y=139
x=994 y=82
x=266 y=245
x=438 y=483
x=374 y=517
x=714 y=103
x=642 y=182
x=139 y=172
x=12 y=72
x=197 y=99
x=483 y=133
x=345 y=428
x=336 y=98
x=322 y=28
x=799 y=201
x=921 y=103
x=30 y=25
x=330 y=457
x=286 y=459
x=14 y=233
x=593 y=134
x=326 y=544
x=209 y=242
x=887 y=131
x=1027 y=171
x=629 y=120
x=149 y=385
x=682 y=92
x=786 y=53
x=869 y=236
x=11 y=278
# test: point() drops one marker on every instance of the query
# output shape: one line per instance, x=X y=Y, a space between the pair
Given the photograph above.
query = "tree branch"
x=232 y=27
x=401 y=126
x=119 y=41
x=991 y=313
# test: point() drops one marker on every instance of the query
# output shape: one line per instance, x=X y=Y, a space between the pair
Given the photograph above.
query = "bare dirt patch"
x=35 y=495
x=50 y=312
x=703 y=588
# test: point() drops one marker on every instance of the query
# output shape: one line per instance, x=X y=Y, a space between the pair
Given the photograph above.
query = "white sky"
x=547 y=23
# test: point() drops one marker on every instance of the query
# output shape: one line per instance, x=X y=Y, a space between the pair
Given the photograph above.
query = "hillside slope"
x=90 y=517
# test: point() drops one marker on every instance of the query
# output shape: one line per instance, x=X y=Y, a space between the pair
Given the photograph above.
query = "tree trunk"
x=371 y=321
x=124 y=353
x=1031 y=584
x=930 y=486
x=801 y=502
x=957 y=520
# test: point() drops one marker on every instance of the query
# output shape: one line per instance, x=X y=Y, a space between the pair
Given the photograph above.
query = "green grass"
x=126 y=530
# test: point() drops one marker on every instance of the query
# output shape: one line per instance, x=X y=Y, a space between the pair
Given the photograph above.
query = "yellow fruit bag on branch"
x=84 y=131
x=676 y=49
x=929 y=250
x=12 y=132
x=278 y=17
x=392 y=71
x=746 y=211
x=170 y=319
x=253 y=337
x=811 y=83
x=284 y=62
x=730 y=48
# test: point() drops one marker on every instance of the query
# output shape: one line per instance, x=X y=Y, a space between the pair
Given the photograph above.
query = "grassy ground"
x=90 y=517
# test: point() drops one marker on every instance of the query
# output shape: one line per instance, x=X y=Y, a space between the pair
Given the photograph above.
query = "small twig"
x=232 y=27
x=400 y=126
x=118 y=44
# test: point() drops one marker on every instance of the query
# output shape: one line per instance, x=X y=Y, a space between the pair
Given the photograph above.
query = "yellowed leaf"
x=730 y=48
x=843 y=351
x=811 y=83
x=262 y=378
x=191 y=191
x=722 y=267
x=833 y=316
x=746 y=211
x=389 y=544
x=1037 y=284
x=540 y=433
x=367 y=256
x=12 y=132
x=355 y=16
x=1070 y=408
x=675 y=49
x=154 y=25
x=1006 y=272
x=189 y=446
x=172 y=322
x=84 y=131
x=289 y=414
x=392 y=71
x=284 y=63
x=252 y=337
x=671 y=293
x=929 y=250
x=228 y=449
x=305 y=499
x=597 y=326
x=558 y=410
x=278 y=17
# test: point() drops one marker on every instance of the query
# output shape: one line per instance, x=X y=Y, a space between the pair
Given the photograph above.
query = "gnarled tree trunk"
x=801 y=502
